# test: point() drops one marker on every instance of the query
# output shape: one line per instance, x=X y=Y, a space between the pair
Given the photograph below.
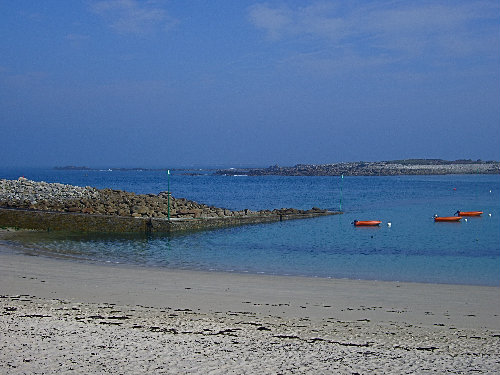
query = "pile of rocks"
x=27 y=194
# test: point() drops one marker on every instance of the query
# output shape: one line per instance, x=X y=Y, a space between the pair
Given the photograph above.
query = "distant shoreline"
x=360 y=168
x=83 y=168
x=382 y=168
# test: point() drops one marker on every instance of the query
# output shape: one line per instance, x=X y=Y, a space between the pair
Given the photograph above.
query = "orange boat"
x=447 y=218
x=366 y=223
x=469 y=213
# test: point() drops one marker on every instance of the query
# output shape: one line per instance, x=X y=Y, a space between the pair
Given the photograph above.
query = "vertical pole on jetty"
x=341 y=184
x=168 y=194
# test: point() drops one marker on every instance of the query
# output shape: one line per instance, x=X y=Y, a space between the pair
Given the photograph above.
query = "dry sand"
x=60 y=316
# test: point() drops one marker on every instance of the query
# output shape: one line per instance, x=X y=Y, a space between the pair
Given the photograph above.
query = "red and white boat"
x=447 y=218
x=469 y=213
x=366 y=223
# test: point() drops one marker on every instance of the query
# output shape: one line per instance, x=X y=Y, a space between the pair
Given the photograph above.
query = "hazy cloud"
x=76 y=37
x=403 y=29
x=23 y=81
x=134 y=17
x=275 y=21
x=31 y=16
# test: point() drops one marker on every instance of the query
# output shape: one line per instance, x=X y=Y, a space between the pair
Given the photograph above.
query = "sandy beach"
x=63 y=316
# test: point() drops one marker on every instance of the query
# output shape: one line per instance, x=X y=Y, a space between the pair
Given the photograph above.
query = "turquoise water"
x=414 y=248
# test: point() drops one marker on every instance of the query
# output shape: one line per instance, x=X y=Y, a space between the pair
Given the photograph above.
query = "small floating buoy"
x=489 y=215
x=465 y=220
x=454 y=188
x=389 y=224
x=490 y=191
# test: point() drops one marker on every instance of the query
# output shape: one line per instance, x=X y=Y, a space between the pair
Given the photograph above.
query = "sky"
x=152 y=83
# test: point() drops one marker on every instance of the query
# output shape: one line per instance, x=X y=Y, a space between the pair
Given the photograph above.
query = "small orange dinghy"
x=366 y=223
x=469 y=213
x=447 y=218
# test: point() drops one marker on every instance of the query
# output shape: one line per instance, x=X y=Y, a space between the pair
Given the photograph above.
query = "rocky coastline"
x=381 y=168
x=22 y=196
x=55 y=197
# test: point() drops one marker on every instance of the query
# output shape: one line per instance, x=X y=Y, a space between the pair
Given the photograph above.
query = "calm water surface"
x=414 y=248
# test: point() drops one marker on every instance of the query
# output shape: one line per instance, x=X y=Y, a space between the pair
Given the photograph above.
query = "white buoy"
x=489 y=215
x=490 y=191
x=389 y=224
x=465 y=220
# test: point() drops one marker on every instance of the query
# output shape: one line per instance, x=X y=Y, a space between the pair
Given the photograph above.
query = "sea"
x=408 y=246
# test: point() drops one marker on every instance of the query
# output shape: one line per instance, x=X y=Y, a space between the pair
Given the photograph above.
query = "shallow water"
x=414 y=248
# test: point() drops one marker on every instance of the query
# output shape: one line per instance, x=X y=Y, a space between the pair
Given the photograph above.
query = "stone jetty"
x=53 y=206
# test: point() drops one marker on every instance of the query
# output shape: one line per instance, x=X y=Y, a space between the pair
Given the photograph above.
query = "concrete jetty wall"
x=57 y=207
x=79 y=222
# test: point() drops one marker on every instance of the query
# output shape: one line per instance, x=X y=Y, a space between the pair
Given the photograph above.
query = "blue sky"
x=176 y=83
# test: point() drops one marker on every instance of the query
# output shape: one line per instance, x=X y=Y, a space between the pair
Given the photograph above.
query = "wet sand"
x=61 y=316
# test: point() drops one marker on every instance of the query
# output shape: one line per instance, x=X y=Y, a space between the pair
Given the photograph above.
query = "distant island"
x=72 y=168
x=77 y=168
x=380 y=168
x=360 y=168
x=193 y=172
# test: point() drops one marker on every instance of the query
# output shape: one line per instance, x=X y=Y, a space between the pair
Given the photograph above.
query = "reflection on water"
x=414 y=248
x=322 y=247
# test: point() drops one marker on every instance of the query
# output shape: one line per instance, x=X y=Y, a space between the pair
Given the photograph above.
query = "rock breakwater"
x=27 y=195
